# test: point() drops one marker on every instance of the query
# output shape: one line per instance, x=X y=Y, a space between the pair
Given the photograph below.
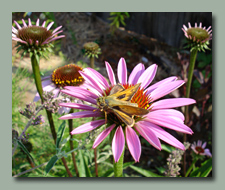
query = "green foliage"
x=145 y=173
x=117 y=19
x=204 y=170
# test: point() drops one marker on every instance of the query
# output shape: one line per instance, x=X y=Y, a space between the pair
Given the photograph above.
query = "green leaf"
x=87 y=169
x=60 y=133
x=167 y=148
x=81 y=167
x=50 y=164
x=204 y=170
x=127 y=164
x=25 y=150
x=108 y=173
x=144 y=172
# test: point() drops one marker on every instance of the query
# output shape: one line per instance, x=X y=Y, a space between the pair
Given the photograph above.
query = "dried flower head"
x=92 y=49
x=198 y=37
x=34 y=38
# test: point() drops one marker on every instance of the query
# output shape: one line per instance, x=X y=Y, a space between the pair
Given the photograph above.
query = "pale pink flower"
x=200 y=149
x=160 y=112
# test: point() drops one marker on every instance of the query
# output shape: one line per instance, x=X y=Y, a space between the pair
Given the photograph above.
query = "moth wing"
x=130 y=110
x=126 y=95
x=125 y=118
x=116 y=88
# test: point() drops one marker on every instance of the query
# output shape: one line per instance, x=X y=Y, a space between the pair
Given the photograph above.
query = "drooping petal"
x=88 y=127
x=80 y=96
x=77 y=89
x=147 y=76
x=103 y=135
x=164 y=81
x=172 y=103
x=148 y=134
x=118 y=143
x=81 y=114
x=204 y=144
x=110 y=73
x=136 y=73
x=165 y=136
x=122 y=71
x=133 y=143
x=170 y=123
x=165 y=89
x=56 y=38
x=77 y=106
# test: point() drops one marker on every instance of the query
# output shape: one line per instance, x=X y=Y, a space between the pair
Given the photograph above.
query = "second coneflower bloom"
x=67 y=75
x=148 y=125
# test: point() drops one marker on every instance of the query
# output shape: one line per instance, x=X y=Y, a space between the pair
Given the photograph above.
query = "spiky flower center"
x=199 y=149
x=34 y=33
x=198 y=33
x=67 y=75
x=140 y=98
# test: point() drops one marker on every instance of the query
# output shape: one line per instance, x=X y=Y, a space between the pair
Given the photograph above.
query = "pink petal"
x=133 y=143
x=204 y=144
x=50 y=25
x=170 y=123
x=81 y=114
x=110 y=74
x=165 y=136
x=46 y=83
x=76 y=89
x=77 y=106
x=88 y=127
x=122 y=71
x=165 y=89
x=148 y=134
x=56 y=30
x=18 y=26
x=43 y=24
x=147 y=76
x=14 y=30
x=136 y=73
x=56 y=92
x=103 y=135
x=24 y=23
x=158 y=84
x=207 y=152
x=37 y=23
x=118 y=143
x=29 y=22
x=90 y=79
x=79 y=96
x=99 y=77
x=172 y=103
x=166 y=113
x=56 y=38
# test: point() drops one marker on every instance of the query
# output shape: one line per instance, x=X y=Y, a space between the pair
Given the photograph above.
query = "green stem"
x=70 y=122
x=92 y=61
x=191 y=167
x=37 y=79
x=118 y=166
x=188 y=90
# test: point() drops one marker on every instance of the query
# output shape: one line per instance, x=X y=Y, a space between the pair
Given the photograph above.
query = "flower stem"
x=96 y=164
x=37 y=79
x=118 y=166
x=92 y=61
x=70 y=121
x=188 y=90
x=191 y=167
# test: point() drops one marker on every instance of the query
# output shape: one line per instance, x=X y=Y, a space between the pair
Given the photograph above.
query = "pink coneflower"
x=200 y=149
x=198 y=36
x=35 y=38
x=67 y=75
x=160 y=112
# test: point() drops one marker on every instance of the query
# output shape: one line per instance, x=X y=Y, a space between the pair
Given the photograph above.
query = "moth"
x=119 y=103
